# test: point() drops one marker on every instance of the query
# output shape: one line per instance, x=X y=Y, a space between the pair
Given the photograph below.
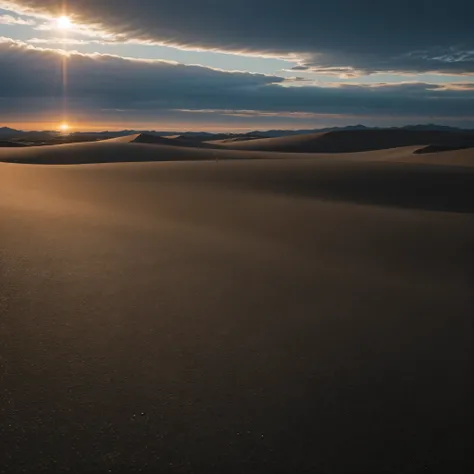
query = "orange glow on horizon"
x=89 y=126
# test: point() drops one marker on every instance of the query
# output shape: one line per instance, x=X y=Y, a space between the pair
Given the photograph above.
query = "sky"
x=240 y=66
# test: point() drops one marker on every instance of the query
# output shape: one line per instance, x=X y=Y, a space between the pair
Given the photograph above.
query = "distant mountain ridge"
x=424 y=127
x=7 y=133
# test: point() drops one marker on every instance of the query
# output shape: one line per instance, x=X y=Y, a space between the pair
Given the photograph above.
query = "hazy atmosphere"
x=236 y=237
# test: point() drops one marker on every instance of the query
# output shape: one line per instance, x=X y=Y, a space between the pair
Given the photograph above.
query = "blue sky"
x=355 y=79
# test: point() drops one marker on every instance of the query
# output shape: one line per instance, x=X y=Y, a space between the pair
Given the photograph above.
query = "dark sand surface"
x=271 y=316
x=351 y=141
x=180 y=142
x=441 y=148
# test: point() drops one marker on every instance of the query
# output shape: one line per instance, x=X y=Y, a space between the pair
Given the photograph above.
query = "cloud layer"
x=33 y=78
x=333 y=37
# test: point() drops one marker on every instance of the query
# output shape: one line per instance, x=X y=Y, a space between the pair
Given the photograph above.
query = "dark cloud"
x=433 y=60
x=32 y=72
x=337 y=36
x=32 y=80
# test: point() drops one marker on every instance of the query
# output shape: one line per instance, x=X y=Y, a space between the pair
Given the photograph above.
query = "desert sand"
x=348 y=141
x=144 y=147
x=179 y=309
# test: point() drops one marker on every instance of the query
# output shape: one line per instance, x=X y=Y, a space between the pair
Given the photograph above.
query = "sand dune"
x=181 y=142
x=236 y=139
x=441 y=148
x=241 y=316
x=7 y=144
x=439 y=181
x=125 y=139
x=349 y=141
x=382 y=183
x=125 y=149
x=109 y=151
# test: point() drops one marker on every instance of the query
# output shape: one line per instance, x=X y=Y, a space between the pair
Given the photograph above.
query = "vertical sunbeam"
x=65 y=22
x=64 y=74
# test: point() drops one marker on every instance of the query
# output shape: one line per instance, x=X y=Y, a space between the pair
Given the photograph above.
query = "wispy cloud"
x=58 y=41
x=259 y=113
x=15 y=20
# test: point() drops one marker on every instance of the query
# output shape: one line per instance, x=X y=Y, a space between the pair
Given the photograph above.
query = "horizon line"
x=235 y=130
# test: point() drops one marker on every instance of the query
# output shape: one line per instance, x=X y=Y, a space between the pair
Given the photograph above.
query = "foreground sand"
x=249 y=316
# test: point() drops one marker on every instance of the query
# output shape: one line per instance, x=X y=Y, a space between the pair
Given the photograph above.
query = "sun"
x=64 y=127
x=64 y=22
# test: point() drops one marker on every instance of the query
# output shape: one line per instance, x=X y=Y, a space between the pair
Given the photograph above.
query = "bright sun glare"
x=64 y=22
x=64 y=127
